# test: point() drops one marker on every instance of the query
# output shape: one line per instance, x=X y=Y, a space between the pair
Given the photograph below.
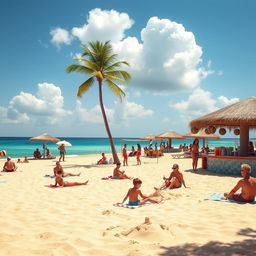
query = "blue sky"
x=187 y=59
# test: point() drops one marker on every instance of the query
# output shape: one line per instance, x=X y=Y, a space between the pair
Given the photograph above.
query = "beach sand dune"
x=37 y=220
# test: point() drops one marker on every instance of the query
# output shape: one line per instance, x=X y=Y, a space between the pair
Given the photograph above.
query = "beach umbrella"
x=240 y=115
x=44 y=137
x=201 y=135
x=65 y=143
x=170 y=135
x=150 y=137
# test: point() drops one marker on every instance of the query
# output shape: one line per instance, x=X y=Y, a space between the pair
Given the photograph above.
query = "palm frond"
x=115 y=89
x=85 y=86
x=116 y=65
x=114 y=78
x=80 y=69
x=92 y=65
x=124 y=75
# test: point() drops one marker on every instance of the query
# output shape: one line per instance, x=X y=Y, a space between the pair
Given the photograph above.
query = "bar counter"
x=227 y=165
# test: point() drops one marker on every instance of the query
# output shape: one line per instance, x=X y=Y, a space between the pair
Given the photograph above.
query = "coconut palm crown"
x=100 y=64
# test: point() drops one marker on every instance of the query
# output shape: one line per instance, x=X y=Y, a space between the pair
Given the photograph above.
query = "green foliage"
x=100 y=62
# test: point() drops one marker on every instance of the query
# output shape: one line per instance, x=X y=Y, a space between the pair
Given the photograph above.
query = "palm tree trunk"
x=113 y=149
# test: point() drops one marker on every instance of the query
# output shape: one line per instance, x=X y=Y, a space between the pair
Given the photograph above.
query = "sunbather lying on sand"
x=134 y=193
x=117 y=174
x=59 y=181
x=247 y=184
x=174 y=181
x=9 y=166
x=64 y=174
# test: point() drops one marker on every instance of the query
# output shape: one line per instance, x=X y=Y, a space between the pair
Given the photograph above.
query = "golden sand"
x=36 y=220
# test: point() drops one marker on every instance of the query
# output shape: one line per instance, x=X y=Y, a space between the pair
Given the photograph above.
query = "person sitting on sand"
x=134 y=193
x=175 y=180
x=64 y=174
x=37 y=154
x=59 y=181
x=247 y=185
x=103 y=160
x=49 y=155
x=24 y=161
x=117 y=174
x=9 y=166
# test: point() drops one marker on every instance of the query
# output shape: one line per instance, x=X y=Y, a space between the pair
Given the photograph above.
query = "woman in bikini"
x=138 y=154
x=195 y=153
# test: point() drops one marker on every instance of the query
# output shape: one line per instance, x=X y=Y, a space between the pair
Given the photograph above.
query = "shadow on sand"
x=238 y=248
x=201 y=171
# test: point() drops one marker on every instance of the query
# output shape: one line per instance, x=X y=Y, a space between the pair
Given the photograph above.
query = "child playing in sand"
x=64 y=174
x=117 y=174
x=134 y=192
x=247 y=184
x=59 y=181
x=175 y=180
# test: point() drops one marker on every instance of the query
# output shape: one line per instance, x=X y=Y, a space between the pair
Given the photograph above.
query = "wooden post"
x=244 y=140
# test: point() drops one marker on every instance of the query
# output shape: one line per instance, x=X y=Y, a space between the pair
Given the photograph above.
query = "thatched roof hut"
x=240 y=115
x=232 y=116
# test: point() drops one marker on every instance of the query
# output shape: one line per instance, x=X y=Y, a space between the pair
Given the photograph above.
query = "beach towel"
x=219 y=197
x=134 y=207
x=110 y=178
x=2 y=181
x=72 y=185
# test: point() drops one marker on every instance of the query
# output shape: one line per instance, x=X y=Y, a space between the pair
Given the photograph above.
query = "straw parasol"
x=170 y=135
x=202 y=135
x=150 y=137
x=44 y=137
x=238 y=115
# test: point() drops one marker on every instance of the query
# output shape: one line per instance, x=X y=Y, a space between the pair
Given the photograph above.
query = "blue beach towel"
x=2 y=181
x=219 y=197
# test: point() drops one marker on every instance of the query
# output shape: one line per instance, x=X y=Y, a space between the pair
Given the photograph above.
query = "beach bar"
x=239 y=117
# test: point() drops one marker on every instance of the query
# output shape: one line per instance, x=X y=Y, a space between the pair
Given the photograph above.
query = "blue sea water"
x=21 y=146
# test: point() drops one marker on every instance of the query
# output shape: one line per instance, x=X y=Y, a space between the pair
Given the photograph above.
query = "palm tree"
x=100 y=63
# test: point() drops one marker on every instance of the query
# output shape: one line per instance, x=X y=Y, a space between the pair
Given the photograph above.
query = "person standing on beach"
x=195 y=153
x=62 y=152
x=125 y=155
x=138 y=154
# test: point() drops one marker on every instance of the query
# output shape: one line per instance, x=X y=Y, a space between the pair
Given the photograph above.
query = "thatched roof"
x=235 y=115
x=149 y=137
x=170 y=135
x=202 y=135
x=44 y=137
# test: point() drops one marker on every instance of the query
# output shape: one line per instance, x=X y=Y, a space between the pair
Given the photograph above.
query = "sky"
x=187 y=58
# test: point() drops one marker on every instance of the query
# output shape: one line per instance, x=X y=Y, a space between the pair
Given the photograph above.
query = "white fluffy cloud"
x=103 y=26
x=60 y=36
x=225 y=101
x=165 y=59
x=46 y=106
x=199 y=103
x=93 y=115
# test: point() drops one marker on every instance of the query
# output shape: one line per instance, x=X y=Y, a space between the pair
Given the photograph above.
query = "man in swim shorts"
x=247 y=185
x=62 y=152
x=117 y=174
x=9 y=166
x=174 y=181
x=125 y=155
x=134 y=193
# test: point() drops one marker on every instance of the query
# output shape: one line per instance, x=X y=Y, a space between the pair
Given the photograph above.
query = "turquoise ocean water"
x=21 y=146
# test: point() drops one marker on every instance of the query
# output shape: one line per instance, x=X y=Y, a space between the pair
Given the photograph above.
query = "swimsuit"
x=135 y=203
x=239 y=198
x=62 y=153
